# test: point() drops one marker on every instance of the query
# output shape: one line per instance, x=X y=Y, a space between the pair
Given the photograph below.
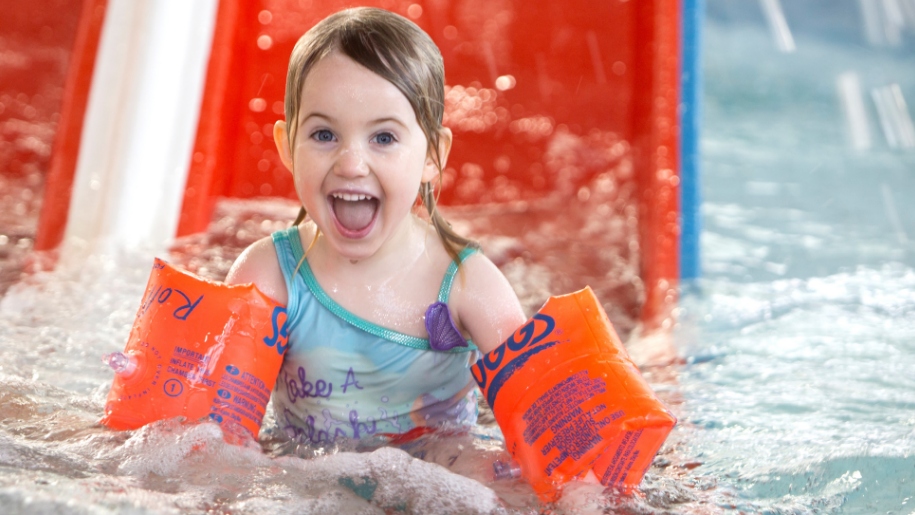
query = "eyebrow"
x=316 y=115
x=376 y=121
x=389 y=119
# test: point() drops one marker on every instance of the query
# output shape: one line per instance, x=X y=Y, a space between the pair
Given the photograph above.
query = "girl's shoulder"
x=478 y=275
x=485 y=303
x=258 y=264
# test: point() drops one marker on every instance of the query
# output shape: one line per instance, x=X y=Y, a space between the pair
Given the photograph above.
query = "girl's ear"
x=430 y=171
x=281 y=138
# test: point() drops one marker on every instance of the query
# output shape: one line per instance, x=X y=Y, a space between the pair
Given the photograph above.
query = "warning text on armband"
x=623 y=459
x=245 y=396
x=575 y=430
x=249 y=385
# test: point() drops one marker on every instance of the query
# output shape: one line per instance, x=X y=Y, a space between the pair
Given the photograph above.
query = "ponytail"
x=454 y=243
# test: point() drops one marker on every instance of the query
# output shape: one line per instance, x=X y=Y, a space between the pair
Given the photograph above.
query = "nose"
x=351 y=163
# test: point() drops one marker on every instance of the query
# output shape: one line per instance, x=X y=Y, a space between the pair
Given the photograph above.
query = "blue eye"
x=323 y=136
x=385 y=138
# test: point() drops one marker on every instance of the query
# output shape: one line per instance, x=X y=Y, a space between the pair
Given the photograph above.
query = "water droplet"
x=257 y=105
x=584 y=194
x=505 y=82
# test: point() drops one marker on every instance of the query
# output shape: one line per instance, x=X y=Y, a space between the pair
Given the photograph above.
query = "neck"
x=400 y=253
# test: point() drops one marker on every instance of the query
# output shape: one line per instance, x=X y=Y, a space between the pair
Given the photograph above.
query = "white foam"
x=331 y=502
x=170 y=447
x=399 y=481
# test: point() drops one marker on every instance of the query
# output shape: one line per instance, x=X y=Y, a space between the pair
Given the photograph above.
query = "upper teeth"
x=351 y=197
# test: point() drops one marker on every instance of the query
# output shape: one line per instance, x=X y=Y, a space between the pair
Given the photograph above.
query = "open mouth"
x=354 y=212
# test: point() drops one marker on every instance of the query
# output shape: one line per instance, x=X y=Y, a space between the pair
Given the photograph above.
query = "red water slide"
x=523 y=77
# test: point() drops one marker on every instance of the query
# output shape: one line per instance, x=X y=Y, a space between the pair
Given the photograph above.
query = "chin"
x=355 y=251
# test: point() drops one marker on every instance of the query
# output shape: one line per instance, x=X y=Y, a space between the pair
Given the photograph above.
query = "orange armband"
x=569 y=400
x=197 y=349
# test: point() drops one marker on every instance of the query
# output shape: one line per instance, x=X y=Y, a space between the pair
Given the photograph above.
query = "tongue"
x=355 y=215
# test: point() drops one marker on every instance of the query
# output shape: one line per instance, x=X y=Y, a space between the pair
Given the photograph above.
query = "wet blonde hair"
x=396 y=49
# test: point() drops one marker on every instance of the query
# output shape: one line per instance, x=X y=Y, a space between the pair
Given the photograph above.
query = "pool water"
x=799 y=342
x=793 y=354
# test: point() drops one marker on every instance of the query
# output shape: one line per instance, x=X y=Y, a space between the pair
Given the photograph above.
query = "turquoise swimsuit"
x=345 y=377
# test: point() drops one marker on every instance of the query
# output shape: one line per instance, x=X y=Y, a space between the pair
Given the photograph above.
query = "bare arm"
x=258 y=264
x=485 y=303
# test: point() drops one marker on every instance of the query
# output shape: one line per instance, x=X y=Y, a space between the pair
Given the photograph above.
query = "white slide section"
x=140 y=124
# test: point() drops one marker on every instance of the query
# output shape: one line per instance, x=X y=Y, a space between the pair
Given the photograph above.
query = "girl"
x=385 y=309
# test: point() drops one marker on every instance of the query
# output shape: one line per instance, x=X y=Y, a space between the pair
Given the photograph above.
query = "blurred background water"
x=794 y=384
x=799 y=340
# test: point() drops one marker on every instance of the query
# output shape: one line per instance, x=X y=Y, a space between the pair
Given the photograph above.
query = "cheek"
x=406 y=168
x=306 y=181
x=421 y=165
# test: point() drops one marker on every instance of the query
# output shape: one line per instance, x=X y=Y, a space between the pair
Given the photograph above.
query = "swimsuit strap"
x=311 y=282
x=445 y=291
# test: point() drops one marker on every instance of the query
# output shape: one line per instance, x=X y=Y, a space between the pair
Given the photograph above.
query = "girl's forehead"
x=337 y=82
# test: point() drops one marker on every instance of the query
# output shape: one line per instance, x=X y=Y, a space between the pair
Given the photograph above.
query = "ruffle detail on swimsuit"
x=443 y=334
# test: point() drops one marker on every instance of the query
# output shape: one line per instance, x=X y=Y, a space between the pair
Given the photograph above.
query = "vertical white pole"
x=851 y=96
x=778 y=25
x=140 y=124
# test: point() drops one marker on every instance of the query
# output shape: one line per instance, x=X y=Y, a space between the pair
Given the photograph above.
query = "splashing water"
x=54 y=330
x=797 y=390
x=794 y=392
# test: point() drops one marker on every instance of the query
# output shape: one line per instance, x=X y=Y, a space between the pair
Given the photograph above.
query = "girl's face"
x=359 y=156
